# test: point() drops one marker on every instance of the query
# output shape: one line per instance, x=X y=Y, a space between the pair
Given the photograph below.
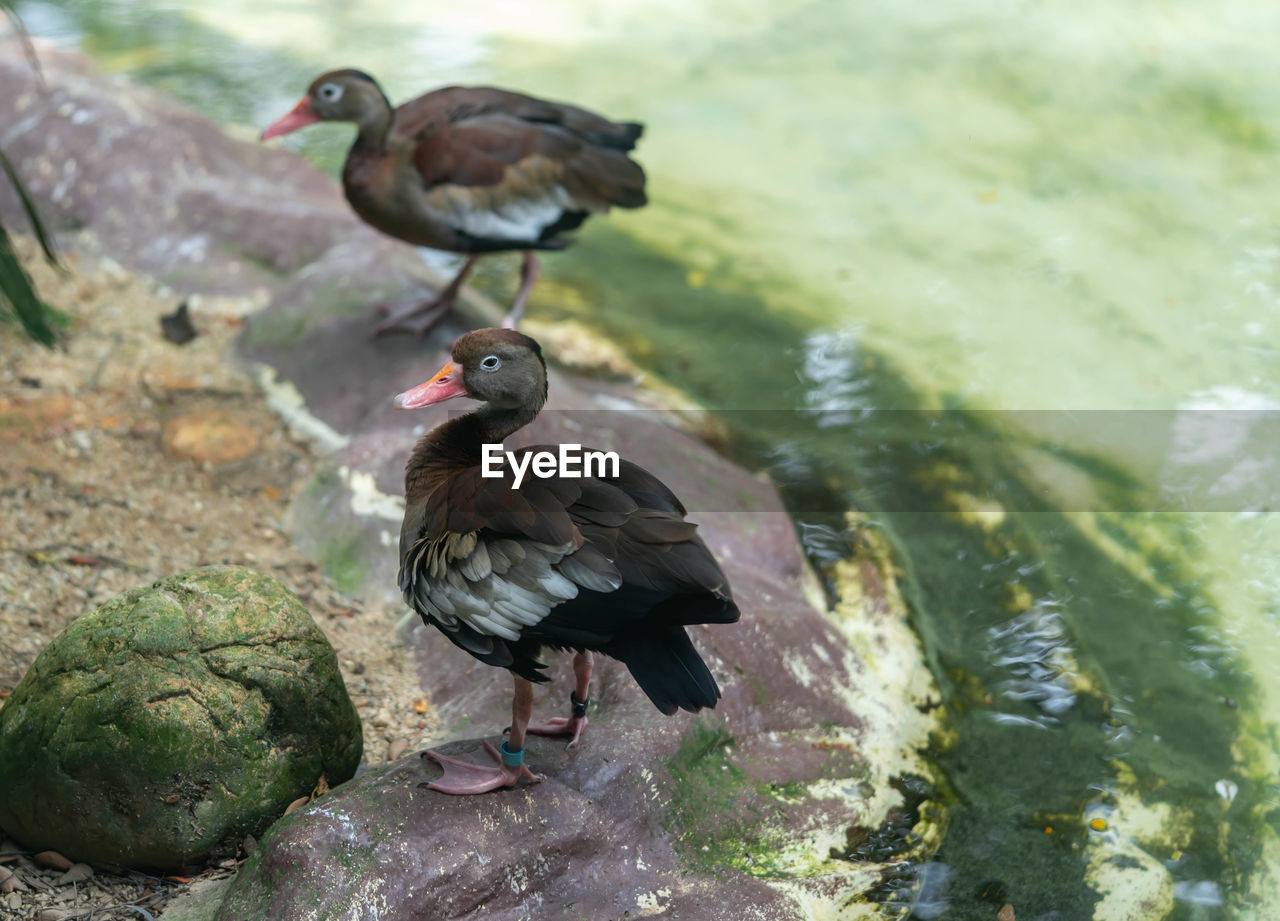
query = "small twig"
x=154 y=397
x=95 y=379
x=58 y=482
x=81 y=556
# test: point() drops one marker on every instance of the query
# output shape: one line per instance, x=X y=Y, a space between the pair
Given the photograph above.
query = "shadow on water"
x=1077 y=655
x=721 y=344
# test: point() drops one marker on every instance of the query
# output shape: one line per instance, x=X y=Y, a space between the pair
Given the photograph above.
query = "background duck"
x=472 y=170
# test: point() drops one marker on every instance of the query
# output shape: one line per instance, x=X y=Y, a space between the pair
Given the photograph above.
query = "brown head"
x=338 y=96
x=502 y=367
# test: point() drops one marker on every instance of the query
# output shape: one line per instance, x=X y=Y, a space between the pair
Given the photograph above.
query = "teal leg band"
x=510 y=758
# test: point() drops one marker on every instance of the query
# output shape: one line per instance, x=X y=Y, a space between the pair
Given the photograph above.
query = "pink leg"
x=463 y=778
x=528 y=272
x=401 y=315
x=572 y=726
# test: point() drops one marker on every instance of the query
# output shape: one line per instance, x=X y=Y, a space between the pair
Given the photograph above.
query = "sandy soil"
x=99 y=493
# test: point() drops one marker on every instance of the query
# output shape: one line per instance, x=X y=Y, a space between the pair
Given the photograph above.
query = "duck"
x=472 y=170
x=506 y=567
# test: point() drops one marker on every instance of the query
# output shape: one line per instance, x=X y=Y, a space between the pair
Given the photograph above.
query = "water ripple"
x=1034 y=649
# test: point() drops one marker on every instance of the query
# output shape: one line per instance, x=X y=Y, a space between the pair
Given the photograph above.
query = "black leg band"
x=579 y=706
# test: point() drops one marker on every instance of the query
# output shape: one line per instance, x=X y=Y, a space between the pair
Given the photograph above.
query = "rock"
x=208 y=436
x=197 y=902
x=1127 y=858
x=76 y=873
x=731 y=814
x=174 y=720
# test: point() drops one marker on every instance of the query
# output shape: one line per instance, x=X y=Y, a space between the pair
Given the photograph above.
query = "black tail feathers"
x=621 y=136
x=668 y=669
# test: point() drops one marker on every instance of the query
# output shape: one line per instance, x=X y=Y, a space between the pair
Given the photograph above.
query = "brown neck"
x=457 y=444
x=375 y=125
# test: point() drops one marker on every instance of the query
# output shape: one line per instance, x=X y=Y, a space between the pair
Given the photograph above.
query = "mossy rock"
x=177 y=718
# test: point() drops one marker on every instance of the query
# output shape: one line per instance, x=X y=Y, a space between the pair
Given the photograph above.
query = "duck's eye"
x=491 y=363
x=329 y=92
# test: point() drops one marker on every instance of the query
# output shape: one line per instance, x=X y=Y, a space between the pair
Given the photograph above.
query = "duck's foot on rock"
x=562 y=726
x=414 y=315
x=464 y=778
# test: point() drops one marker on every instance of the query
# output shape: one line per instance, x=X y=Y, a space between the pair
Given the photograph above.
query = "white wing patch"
x=476 y=212
x=494 y=587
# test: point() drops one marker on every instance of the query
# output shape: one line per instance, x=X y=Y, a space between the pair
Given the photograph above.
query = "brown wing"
x=456 y=104
x=551 y=538
x=604 y=563
x=507 y=170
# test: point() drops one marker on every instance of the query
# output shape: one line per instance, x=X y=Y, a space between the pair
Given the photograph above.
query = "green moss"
x=172 y=721
x=319 y=304
x=274 y=327
x=343 y=561
x=720 y=816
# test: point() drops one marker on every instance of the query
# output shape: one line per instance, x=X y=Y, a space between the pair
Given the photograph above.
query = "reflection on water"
x=873 y=220
x=1034 y=648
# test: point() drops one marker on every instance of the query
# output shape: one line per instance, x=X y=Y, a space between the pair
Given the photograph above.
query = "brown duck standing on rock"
x=594 y=564
x=472 y=170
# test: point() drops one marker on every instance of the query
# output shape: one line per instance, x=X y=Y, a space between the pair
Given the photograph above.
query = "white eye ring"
x=329 y=92
x=491 y=363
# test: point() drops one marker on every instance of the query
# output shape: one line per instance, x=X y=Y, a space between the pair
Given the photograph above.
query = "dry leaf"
x=53 y=859
x=297 y=804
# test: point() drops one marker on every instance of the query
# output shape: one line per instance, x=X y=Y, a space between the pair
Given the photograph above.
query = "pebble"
x=78 y=873
x=215 y=436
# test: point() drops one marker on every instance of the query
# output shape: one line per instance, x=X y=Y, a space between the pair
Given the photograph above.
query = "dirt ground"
x=127 y=458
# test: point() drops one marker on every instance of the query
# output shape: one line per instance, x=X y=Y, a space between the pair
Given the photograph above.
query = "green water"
x=909 y=251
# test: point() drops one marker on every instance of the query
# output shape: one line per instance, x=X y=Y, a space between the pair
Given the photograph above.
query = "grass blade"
x=41 y=322
x=18 y=295
x=37 y=225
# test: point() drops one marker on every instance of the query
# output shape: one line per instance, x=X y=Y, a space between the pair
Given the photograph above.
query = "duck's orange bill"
x=446 y=385
x=299 y=116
